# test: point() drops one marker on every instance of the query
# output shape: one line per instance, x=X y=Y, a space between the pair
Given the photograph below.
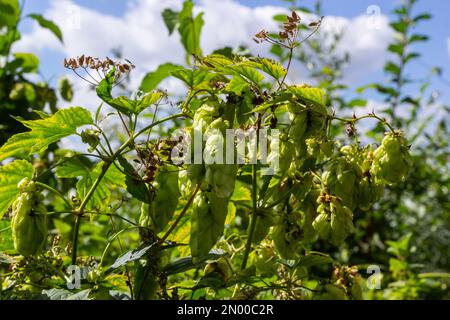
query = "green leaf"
x=6 y=241
x=237 y=85
x=308 y=94
x=279 y=100
x=190 y=29
x=341 y=227
x=186 y=264
x=10 y=176
x=63 y=294
x=225 y=51
x=65 y=89
x=194 y=78
x=423 y=16
x=134 y=183
x=9 y=13
x=418 y=38
x=241 y=193
x=314 y=259
x=152 y=79
x=170 y=18
x=216 y=61
x=280 y=18
x=102 y=194
x=122 y=103
x=27 y=62
x=392 y=68
x=128 y=257
x=272 y=68
x=399 y=26
x=147 y=100
x=105 y=86
x=42 y=114
x=411 y=56
x=276 y=50
x=396 y=48
x=248 y=72
x=75 y=168
x=357 y=103
x=6 y=40
x=45 y=131
x=207 y=223
x=47 y=24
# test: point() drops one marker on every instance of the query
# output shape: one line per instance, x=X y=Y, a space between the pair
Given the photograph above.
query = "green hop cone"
x=29 y=221
x=334 y=221
x=219 y=175
x=196 y=173
x=392 y=160
x=341 y=180
x=209 y=213
x=91 y=137
x=264 y=259
x=369 y=192
x=298 y=125
x=204 y=116
x=341 y=222
x=322 y=223
x=331 y=292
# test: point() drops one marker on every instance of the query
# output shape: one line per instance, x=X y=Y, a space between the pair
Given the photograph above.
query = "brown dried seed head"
x=81 y=60
x=263 y=34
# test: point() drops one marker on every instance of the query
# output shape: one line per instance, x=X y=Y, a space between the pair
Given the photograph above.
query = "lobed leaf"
x=45 y=131
x=10 y=175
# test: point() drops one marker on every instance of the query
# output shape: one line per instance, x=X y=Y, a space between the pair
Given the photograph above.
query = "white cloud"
x=141 y=34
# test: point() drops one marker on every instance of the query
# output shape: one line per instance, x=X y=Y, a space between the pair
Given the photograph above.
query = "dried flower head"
x=287 y=36
x=98 y=68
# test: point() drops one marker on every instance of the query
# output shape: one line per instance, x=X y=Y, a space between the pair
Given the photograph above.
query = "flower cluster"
x=101 y=68
x=287 y=37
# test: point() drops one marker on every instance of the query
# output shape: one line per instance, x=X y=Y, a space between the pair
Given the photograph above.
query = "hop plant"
x=392 y=160
x=29 y=220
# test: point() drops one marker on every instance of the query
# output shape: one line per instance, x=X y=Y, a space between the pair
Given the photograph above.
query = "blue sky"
x=435 y=53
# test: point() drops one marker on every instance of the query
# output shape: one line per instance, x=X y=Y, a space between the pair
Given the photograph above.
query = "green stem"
x=56 y=192
x=123 y=123
x=254 y=215
x=76 y=231
x=178 y=115
x=4 y=229
x=353 y=120
x=111 y=240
